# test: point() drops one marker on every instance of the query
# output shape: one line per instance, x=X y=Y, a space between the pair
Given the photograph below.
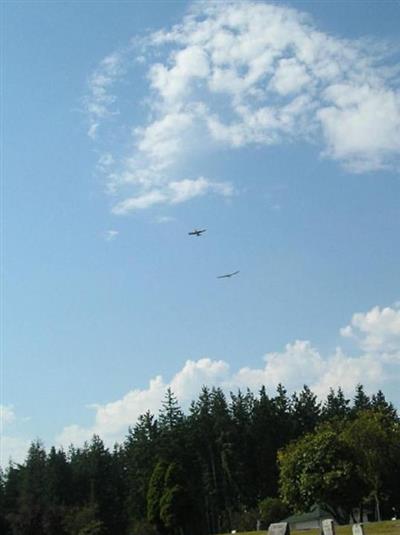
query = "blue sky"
x=127 y=124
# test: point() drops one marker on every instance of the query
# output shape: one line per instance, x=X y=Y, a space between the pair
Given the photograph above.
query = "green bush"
x=272 y=510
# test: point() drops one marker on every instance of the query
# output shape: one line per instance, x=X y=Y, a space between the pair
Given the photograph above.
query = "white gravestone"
x=328 y=527
x=358 y=529
x=280 y=528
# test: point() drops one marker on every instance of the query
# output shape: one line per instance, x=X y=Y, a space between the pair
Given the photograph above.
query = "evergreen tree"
x=244 y=462
x=336 y=405
x=139 y=454
x=11 y=493
x=58 y=477
x=32 y=492
x=361 y=400
x=154 y=495
x=175 y=505
x=58 y=492
x=283 y=417
x=5 y=527
x=171 y=415
x=203 y=442
x=207 y=472
x=264 y=430
x=306 y=411
x=96 y=480
x=84 y=521
x=379 y=403
x=223 y=432
x=172 y=429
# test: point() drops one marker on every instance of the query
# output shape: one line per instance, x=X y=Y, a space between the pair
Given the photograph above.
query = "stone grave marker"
x=328 y=527
x=358 y=529
x=280 y=528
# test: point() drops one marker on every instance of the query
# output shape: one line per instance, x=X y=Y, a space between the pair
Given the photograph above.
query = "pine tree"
x=5 y=527
x=32 y=492
x=138 y=457
x=154 y=495
x=58 y=484
x=171 y=415
x=11 y=494
x=175 y=504
x=379 y=403
x=96 y=479
x=203 y=443
x=264 y=439
x=223 y=432
x=306 y=411
x=200 y=473
x=171 y=424
x=336 y=405
x=244 y=462
x=361 y=400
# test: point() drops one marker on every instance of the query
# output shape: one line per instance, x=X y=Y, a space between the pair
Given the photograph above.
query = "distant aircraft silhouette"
x=228 y=275
x=196 y=232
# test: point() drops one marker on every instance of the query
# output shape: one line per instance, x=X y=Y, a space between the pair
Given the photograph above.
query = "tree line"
x=226 y=463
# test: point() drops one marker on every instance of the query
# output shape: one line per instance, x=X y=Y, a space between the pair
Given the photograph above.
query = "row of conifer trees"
x=206 y=471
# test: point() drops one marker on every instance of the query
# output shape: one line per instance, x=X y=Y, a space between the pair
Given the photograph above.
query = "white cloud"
x=164 y=219
x=260 y=56
x=13 y=449
x=298 y=364
x=105 y=161
x=161 y=141
x=362 y=125
x=175 y=192
x=12 y=446
x=141 y=202
x=195 y=374
x=289 y=77
x=183 y=190
x=172 y=84
x=377 y=330
x=246 y=73
x=99 y=101
x=113 y=419
x=7 y=415
x=346 y=372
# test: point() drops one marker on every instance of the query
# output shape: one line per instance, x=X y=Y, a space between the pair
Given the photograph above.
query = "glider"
x=228 y=275
x=196 y=232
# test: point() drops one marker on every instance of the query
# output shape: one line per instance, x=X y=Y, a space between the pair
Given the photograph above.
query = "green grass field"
x=371 y=528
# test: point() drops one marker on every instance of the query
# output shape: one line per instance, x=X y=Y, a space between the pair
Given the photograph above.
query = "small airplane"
x=228 y=275
x=196 y=232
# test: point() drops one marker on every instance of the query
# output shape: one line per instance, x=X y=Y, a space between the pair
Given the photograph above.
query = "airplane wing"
x=196 y=232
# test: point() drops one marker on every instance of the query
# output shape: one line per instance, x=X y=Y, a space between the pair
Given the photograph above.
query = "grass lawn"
x=391 y=527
